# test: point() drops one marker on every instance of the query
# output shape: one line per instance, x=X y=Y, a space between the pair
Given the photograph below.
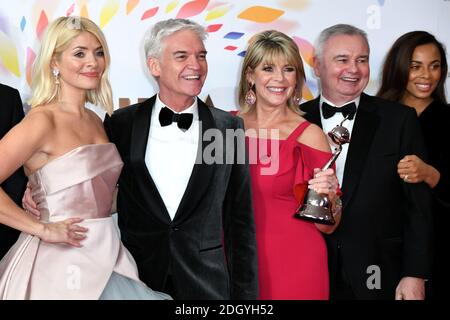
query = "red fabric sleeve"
x=311 y=158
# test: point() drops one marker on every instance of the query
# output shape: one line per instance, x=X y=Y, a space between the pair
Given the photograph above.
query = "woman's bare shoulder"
x=40 y=113
x=40 y=118
x=314 y=137
x=28 y=138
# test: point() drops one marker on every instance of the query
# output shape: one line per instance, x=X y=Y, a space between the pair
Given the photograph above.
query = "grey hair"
x=153 y=44
x=336 y=30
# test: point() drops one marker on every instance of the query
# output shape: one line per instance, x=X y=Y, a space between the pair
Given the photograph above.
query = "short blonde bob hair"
x=57 y=38
x=266 y=47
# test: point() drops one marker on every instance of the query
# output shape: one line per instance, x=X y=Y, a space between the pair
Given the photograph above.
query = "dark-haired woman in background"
x=414 y=74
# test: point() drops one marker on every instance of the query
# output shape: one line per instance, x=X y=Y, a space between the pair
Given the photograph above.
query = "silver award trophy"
x=317 y=207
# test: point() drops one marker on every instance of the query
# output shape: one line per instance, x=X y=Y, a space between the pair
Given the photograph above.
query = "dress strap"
x=298 y=131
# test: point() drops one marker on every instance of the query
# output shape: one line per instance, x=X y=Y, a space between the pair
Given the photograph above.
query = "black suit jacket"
x=386 y=222
x=11 y=112
x=209 y=248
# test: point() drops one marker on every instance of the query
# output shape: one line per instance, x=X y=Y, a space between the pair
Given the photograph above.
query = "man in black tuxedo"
x=187 y=222
x=381 y=249
x=11 y=112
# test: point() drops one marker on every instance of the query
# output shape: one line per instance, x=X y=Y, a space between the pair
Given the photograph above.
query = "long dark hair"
x=396 y=66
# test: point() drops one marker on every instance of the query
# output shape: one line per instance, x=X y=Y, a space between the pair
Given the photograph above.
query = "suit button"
x=175 y=229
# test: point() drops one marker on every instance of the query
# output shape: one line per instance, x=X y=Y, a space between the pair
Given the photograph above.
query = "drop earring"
x=56 y=75
x=250 y=96
x=296 y=100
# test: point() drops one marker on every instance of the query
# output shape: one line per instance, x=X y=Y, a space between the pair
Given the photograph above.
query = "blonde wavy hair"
x=57 y=38
x=266 y=47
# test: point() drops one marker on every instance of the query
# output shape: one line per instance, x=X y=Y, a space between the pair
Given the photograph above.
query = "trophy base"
x=315 y=214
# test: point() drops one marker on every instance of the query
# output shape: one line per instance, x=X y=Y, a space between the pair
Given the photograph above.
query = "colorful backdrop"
x=230 y=25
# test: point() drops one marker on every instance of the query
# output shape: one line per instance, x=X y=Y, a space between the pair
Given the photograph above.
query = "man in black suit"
x=187 y=222
x=381 y=249
x=11 y=112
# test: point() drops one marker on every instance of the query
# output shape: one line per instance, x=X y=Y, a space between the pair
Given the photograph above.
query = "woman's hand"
x=413 y=170
x=66 y=231
x=28 y=203
x=324 y=182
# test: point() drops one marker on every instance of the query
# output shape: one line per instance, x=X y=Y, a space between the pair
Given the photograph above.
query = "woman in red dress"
x=284 y=152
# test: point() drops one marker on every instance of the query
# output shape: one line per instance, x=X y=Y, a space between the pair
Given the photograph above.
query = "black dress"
x=434 y=121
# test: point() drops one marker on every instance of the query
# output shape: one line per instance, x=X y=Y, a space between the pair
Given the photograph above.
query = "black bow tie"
x=347 y=110
x=183 y=120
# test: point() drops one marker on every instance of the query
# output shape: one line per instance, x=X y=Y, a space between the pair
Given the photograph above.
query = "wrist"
x=336 y=209
x=39 y=230
x=433 y=176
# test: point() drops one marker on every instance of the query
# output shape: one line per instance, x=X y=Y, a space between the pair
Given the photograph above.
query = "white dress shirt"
x=170 y=156
x=329 y=124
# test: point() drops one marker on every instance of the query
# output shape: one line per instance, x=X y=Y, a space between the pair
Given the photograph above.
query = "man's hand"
x=410 y=288
x=28 y=203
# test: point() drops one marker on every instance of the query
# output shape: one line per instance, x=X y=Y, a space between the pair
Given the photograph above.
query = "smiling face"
x=343 y=68
x=81 y=64
x=275 y=82
x=424 y=75
x=181 y=69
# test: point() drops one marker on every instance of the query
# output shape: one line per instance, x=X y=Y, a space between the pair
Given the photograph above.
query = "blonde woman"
x=292 y=255
x=74 y=250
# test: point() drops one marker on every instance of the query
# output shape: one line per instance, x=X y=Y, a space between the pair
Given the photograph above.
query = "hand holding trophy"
x=317 y=207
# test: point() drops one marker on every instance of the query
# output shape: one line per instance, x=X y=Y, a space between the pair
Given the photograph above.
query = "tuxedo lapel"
x=202 y=173
x=139 y=139
x=364 y=128
x=366 y=123
x=312 y=111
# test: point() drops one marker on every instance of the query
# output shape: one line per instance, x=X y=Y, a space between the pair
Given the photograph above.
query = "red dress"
x=292 y=254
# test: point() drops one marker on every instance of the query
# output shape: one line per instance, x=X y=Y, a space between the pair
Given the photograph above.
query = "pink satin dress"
x=80 y=183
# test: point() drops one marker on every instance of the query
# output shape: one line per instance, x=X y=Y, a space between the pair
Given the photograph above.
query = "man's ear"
x=316 y=66
x=154 y=67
